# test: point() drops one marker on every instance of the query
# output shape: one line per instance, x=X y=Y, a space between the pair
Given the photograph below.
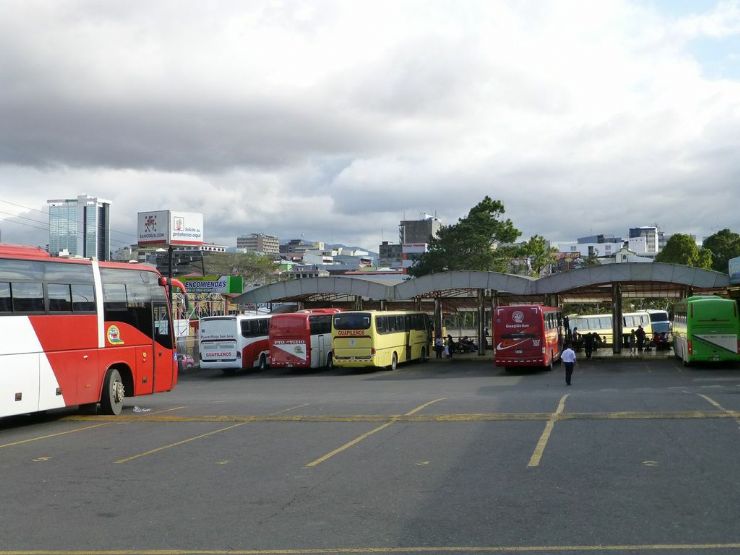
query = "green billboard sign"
x=214 y=284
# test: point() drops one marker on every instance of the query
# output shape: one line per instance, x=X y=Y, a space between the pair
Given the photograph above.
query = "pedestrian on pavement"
x=640 y=334
x=633 y=343
x=569 y=360
x=588 y=343
x=450 y=346
x=439 y=346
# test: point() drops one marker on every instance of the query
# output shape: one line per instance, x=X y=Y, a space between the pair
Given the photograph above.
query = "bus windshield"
x=352 y=321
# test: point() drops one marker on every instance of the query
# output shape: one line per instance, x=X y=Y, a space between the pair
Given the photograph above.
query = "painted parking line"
x=188 y=440
x=545 y=437
x=730 y=413
x=400 y=550
x=49 y=436
x=367 y=435
x=456 y=417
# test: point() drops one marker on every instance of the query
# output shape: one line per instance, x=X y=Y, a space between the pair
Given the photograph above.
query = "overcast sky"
x=334 y=120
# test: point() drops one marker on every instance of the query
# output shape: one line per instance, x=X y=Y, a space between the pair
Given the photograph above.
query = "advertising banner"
x=167 y=227
x=214 y=284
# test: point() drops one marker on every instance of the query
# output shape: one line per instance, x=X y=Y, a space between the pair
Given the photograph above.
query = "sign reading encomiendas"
x=214 y=284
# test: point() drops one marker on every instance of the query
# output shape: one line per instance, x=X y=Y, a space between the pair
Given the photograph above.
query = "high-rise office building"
x=80 y=226
x=258 y=242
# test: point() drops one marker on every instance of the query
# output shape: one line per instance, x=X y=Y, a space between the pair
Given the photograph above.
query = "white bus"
x=231 y=343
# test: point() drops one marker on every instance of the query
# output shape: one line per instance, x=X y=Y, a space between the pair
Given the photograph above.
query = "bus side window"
x=60 y=297
x=83 y=298
x=5 y=299
x=27 y=297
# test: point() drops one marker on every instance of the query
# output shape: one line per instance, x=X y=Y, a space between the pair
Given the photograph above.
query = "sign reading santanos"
x=214 y=284
x=167 y=227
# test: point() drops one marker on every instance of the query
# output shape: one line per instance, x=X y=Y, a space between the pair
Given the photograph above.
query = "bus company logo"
x=150 y=224
x=517 y=316
x=114 y=336
x=299 y=349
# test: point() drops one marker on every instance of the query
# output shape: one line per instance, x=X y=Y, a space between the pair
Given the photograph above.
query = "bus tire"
x=423 y=357
x=394 y=362
x=329 y=361
x=549 y=366
x=113 y=393
x=263 y=363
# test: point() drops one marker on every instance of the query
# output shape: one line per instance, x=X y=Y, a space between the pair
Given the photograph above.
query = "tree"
x=724 y=244
x=480 y=241
x=253 y=267
x=682 y=249
x=540 y=254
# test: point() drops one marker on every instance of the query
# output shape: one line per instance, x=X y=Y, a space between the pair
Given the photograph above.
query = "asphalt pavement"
x=637 y=456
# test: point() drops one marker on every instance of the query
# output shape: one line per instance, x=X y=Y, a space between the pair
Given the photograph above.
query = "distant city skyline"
x=336 y=120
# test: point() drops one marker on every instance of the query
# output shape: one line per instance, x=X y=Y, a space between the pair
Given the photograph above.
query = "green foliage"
x=681 y=249
x=539 y=253
x=255 y=268
x=472 y=243
x=724 y=244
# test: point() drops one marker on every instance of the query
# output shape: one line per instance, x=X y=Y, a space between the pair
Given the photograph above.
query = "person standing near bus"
x=569 y=360
x=588 y=343
x=439 y=346
x=632 y=343
x=640 y=334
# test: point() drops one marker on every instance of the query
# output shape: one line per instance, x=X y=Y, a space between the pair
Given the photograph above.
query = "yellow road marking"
x=728 y=412
x=169 y=446
x=188 y=440
x=38 y=438
x=460 y=417
x=542 y=443
x=370 y=550
x=368 y=434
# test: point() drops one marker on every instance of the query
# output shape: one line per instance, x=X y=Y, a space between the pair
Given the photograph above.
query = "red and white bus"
x=81 y=332
x=301 y=339
x=527 y=335
x=234 y=342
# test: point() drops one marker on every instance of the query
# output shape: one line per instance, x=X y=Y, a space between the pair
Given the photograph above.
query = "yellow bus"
x=375 y=338
x=602 y=324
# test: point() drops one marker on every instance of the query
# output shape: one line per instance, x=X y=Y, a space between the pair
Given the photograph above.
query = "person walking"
x=633 y=343
x=450 y=346
x=439 y=346
x=588 y=344
x=569 y=360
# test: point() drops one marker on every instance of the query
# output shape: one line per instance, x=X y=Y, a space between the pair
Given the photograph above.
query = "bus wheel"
x=549 y=366
x=113 y=393
x=394 y=361
x=263 y=362
x=423 y=357
x=329 y=361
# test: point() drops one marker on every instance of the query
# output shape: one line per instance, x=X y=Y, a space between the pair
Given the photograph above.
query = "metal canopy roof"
x=636 y=279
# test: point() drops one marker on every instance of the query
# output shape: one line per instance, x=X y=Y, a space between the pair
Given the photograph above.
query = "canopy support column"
x=616 y=318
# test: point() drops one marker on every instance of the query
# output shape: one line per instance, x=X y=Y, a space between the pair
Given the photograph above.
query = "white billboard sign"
x=167 y=227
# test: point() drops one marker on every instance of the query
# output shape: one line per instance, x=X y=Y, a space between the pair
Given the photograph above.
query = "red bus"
x=81 y=332
x=527 y=335
x=302 y=339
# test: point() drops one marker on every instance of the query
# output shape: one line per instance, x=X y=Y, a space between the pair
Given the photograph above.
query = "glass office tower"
x=80 y=227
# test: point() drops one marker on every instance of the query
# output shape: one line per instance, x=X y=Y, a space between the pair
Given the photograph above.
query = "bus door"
x=164 y=362
x=319 y=356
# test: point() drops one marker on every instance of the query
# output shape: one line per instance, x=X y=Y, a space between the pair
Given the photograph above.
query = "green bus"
x=706 y=329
